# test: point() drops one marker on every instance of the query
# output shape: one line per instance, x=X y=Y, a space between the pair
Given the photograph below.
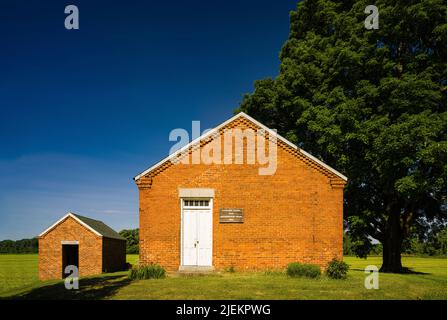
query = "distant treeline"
x=132 y=237
x=31 y=245
x=433 y=243
x=19 y=246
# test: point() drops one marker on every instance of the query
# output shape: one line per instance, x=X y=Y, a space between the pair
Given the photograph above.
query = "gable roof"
x=97 y=227
x=257 y=123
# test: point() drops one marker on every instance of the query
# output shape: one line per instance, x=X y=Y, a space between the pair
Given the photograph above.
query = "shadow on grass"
x=405 y=270
x=89 y=289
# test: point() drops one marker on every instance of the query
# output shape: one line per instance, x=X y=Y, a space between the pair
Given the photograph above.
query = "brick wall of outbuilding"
x=50 y=250
x=294 y=215
x=114 y=255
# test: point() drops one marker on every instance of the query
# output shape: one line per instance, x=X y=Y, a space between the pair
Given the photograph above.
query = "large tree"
x=371 y=103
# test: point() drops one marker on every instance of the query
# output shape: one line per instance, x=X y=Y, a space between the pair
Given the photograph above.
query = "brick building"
x=226 y=213
x=88 y=244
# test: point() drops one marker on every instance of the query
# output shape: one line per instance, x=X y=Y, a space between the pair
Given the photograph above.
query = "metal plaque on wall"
x=231 y=215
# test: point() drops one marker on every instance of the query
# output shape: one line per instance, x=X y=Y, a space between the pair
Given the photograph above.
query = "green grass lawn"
x=18 y=271
x=18 y=279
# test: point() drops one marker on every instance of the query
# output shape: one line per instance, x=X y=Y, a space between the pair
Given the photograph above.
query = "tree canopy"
x=19 y=246
x=132 y=240
x=372 y=104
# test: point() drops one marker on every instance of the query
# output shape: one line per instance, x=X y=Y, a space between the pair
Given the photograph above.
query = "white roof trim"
x=240 y=114
x=296 y=147
x=74 y=217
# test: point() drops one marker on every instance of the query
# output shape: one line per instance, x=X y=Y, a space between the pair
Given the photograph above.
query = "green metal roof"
x=100 y=227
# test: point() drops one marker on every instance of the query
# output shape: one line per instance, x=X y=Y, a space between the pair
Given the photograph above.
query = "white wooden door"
x=205 y=237
x=189 y=238
x=197 y=233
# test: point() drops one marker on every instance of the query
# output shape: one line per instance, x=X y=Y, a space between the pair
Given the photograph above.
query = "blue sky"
x=83 y=111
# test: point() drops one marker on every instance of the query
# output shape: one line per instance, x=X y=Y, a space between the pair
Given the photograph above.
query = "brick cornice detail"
x=144 y=182
x=337 y=183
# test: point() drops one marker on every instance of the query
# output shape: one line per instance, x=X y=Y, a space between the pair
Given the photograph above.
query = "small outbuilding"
x=89 y=244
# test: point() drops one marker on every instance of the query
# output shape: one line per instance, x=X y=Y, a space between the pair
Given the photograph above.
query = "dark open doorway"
x=70 y=256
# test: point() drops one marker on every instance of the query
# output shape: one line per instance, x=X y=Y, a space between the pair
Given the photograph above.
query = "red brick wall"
x=114 y=255
x=294 y=215
x=50 y=250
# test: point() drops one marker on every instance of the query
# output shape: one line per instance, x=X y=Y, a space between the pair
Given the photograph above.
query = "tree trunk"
x=392 y=245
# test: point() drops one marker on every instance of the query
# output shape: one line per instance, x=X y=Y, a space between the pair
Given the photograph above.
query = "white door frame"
x=182 y=207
